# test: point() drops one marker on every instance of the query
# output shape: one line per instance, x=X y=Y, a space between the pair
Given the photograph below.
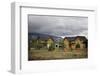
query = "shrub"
x=78 y=45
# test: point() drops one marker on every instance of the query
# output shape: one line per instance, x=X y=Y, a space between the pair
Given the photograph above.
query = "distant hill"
x=43 y=36
x=55 y=38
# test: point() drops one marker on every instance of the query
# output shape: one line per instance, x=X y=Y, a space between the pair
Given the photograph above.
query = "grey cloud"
x=59 y=26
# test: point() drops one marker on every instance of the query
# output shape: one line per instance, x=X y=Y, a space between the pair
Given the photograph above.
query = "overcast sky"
x=58 y=26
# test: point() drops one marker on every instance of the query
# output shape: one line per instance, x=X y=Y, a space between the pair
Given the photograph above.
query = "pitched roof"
x=74 y=38
x=70 y=38
x=82 y=38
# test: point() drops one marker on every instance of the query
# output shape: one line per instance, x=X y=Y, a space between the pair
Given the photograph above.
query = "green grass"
x=56 y=54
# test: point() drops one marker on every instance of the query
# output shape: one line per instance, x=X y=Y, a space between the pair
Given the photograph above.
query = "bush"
x=52 y=47
x=78 y=45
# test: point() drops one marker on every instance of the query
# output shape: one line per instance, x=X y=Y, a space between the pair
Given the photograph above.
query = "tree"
x=52 y=47
x=51 y=44
x=77 y=45
x=38 y=43
x=61 y=44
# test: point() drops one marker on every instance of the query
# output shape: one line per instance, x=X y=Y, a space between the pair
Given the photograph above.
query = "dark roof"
x=74 y=38
x=82 y=38
x=70 y=38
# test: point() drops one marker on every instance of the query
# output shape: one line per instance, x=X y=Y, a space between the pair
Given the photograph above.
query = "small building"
x=81 y=41
x=78 y=42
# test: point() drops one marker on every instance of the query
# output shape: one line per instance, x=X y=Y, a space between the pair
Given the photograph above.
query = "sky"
x=63 y=26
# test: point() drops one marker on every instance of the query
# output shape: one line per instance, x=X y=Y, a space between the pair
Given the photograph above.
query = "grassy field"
x=56 y=54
